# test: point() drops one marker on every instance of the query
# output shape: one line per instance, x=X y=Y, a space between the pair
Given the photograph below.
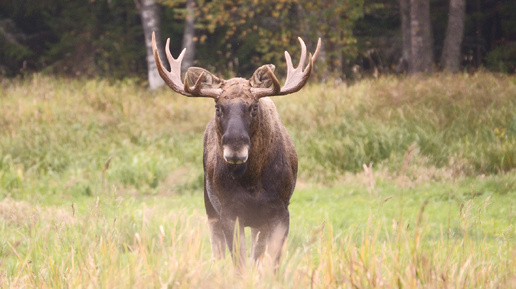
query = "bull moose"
x=250 y=163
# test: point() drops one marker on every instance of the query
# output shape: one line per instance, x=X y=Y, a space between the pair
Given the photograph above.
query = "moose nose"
x=236 y=157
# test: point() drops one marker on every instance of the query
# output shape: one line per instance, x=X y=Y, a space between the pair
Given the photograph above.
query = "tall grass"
x=60 y=129
x=121 y=241
x=57 y=128
x=403 y=183
x=467 y=122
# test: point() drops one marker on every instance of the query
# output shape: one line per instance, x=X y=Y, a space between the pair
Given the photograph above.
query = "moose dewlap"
x=250 y=163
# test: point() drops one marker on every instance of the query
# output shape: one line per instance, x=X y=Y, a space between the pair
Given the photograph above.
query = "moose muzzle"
x=236 y=156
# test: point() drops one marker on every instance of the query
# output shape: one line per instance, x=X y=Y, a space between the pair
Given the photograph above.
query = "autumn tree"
x=252 y=32
x=320 y=19
x=105 y=38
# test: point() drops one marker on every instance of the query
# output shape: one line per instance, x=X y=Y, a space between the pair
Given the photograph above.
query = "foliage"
x=104 y=41
x=502 y=59
x=104 y=38
x=78 y=38
x=280 y=22
x=249 y=33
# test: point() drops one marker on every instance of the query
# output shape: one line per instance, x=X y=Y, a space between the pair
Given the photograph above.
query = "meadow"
x=403 y=183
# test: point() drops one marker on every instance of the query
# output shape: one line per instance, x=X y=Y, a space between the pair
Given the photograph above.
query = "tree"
x=450 y=57
x=250 y=32
x=189 y=35
x=421 y=48
x=149 y=12
x=405 y=36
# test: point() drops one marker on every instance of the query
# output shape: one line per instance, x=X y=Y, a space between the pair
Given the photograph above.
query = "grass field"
x=404 y=183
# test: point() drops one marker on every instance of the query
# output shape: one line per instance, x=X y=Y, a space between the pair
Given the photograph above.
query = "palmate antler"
x=296 y=77
x=173 y=77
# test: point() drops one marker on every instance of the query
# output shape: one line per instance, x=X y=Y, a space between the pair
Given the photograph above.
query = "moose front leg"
x=218 y=246
x=234 y=240
x=258 y=241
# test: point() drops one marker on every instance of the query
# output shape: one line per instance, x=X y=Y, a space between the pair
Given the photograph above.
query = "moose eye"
x=218 y=111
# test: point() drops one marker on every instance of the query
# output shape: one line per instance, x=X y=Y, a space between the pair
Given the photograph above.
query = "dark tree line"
x=107 y=38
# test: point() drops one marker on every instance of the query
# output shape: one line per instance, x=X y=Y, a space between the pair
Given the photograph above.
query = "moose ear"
x=209 y=80
x=261 y=77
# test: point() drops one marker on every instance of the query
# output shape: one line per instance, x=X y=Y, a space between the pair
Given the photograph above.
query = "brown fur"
x=254 y=194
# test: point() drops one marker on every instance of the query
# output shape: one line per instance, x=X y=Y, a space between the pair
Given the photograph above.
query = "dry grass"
x=151 y=246
x=22 y=213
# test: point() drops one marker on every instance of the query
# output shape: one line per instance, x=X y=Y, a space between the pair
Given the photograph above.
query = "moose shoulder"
x=250 y=163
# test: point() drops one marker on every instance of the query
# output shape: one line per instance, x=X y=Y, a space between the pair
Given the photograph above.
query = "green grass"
x=404 y=183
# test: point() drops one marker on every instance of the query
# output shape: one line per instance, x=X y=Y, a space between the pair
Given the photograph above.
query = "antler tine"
x=196 y=89
x=316 y=53
x=175 y=64
x=173 y=77
x=297 y=77
x=276 y=87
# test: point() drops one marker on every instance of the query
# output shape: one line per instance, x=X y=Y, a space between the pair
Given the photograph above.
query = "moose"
x=250 y=163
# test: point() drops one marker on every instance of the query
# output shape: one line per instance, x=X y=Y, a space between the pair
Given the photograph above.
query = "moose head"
x=236 y=99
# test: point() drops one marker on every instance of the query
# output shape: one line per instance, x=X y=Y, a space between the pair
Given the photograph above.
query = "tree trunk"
x=450 y=58
x=421 y=52
x=405 y=36
x=189 y=35
x=149 y=12
x=479 y=38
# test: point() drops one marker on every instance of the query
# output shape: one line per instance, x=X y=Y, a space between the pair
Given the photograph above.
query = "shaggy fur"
x=255 y=193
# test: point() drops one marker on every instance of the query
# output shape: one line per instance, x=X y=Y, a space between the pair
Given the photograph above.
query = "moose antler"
x=173 y=77
x=296 y=77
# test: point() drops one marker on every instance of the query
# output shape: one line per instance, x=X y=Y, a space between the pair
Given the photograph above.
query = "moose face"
x=236 y=110
x=236 y=123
